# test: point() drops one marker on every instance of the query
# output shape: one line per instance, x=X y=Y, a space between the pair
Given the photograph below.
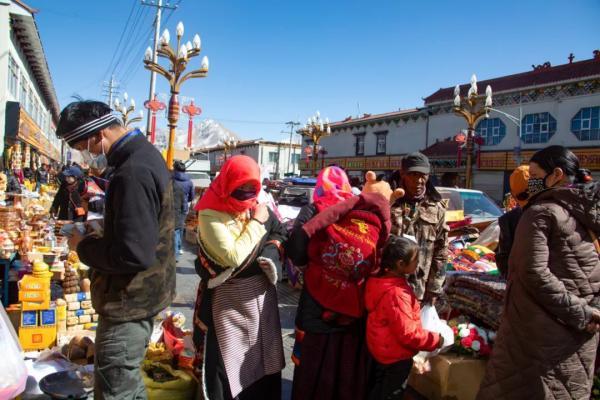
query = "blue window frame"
x=537 y=128
x=585 y=125
x=492 y=130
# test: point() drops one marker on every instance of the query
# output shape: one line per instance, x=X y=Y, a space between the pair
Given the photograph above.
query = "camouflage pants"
x=120 y=349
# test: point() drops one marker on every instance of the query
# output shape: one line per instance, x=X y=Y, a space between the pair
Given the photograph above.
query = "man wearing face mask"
x=422 y=214
x=132 y=263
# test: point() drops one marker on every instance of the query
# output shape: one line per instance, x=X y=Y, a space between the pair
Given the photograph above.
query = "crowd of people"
x=370 y=261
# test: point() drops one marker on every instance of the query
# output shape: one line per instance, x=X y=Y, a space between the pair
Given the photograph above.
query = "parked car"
x=473 y=204
x=199 y=179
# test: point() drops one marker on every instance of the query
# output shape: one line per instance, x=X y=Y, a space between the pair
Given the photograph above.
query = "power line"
x=130 y=35
x=110 y=90
x=120 y=38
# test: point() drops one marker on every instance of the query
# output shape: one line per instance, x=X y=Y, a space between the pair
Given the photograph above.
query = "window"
x=585 y=125
x=492 y=130
x=360 y=144
x=296 y=158
x=23 y=91
x=381 y=142
x=537 y=128
x=13 y=76
x=29 y=106
x=273 y=156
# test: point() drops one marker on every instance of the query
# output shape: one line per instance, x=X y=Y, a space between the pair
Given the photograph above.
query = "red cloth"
x=332 y=187
x=237 y=171
x=343 y=252
x=394 y=330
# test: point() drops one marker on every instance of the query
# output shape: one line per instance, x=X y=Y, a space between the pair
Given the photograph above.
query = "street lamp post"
x=126 y=111
x=154 y=106
x=191 y=110
x=315 y=129
x=178 y=60
x=228 y=145
x=472 y=111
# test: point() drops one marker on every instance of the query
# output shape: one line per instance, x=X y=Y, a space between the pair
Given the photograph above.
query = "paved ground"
x=187 y=285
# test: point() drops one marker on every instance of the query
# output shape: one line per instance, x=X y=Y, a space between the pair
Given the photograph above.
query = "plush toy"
x=372 y=185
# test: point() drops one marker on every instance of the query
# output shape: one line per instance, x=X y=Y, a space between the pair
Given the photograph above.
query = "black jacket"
x=65 y=202
x=179 y=205
x=133 y=264
x=508 y=225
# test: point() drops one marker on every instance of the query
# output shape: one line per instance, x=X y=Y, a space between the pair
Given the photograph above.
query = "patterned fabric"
x=249 y=339
x=332 y=187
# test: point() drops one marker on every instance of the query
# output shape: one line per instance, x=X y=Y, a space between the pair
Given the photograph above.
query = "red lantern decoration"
x=153 y=105
x=191 y=110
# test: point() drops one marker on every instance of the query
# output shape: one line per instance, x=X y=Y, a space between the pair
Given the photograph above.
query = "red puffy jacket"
x=394 y=330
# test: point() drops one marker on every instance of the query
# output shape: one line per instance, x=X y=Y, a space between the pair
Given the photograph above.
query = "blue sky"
x=274 y=61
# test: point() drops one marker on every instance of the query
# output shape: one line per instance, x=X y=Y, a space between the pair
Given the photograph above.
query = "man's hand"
x=594 y=325
x=74 y=239
x=430 y=298
x=261 y=214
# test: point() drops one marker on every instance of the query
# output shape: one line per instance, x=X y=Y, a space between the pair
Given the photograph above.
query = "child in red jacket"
x=394 y=331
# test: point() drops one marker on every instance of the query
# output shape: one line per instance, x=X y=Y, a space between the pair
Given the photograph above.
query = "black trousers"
x=390 y=380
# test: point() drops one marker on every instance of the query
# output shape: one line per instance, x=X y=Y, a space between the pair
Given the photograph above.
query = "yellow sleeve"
x=223 y=245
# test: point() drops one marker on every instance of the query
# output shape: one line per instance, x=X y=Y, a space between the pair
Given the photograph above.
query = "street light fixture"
x=314 y=130
x=126 y=111
x=471 y=109
x=178 y=59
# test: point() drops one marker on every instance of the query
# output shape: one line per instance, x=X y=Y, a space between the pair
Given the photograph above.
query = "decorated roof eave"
x=26 y=33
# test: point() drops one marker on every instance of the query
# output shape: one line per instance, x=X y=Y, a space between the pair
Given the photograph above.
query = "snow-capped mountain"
x=206 y=133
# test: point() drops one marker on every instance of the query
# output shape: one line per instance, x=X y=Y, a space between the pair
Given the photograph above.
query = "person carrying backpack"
x=337 y=238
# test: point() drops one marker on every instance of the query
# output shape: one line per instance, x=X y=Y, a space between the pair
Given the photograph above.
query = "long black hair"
x=560 y=157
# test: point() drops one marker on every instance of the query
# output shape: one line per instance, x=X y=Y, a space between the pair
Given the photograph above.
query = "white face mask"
x=99 y=162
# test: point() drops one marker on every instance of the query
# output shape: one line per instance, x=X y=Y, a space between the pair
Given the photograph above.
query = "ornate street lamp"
x=178 y=60
x=314 y=130
x=471 y=109
x=228 y=145
x=126 y=111
x=191 y=110
x=154 y=106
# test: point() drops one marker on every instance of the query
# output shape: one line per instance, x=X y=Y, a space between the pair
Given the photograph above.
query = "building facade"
x=550 y=105
x=29 y=108
x=276 y=159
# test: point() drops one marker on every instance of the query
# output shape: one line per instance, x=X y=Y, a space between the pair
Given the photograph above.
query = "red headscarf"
x=237 y=171
x=332 y=187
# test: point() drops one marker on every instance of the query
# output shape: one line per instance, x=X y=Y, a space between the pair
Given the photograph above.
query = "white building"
x=553 y=104
x=29 y=108
x=276 y=159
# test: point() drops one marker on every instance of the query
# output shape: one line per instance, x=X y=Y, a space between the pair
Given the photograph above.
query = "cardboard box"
x=451 y=377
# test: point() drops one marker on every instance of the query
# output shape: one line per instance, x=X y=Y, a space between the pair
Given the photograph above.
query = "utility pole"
x=110 y=90
x=159 y=6
x=291 y=124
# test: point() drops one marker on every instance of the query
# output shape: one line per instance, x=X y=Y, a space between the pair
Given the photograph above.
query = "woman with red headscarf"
x=335 y=240
x=237 y=332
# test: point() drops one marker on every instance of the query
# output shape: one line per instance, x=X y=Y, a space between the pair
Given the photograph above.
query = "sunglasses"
x=522 y=196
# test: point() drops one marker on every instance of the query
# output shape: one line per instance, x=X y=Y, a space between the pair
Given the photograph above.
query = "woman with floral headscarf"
x=237 y=332
x=336 y=238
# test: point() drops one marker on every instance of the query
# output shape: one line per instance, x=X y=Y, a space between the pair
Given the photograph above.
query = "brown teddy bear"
x=372 y=185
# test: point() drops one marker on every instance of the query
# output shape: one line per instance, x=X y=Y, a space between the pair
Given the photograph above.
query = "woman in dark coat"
x=237 y=331
x=546 y=344
x=67 y=204
x=330 y=353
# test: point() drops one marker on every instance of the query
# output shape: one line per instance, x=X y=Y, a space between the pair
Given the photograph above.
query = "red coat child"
x=394 y=330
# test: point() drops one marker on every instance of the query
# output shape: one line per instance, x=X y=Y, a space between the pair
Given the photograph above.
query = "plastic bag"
x=432 y=322
x=14 y=373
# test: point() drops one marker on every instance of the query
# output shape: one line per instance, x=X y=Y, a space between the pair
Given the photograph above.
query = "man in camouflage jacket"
x=422 y=213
